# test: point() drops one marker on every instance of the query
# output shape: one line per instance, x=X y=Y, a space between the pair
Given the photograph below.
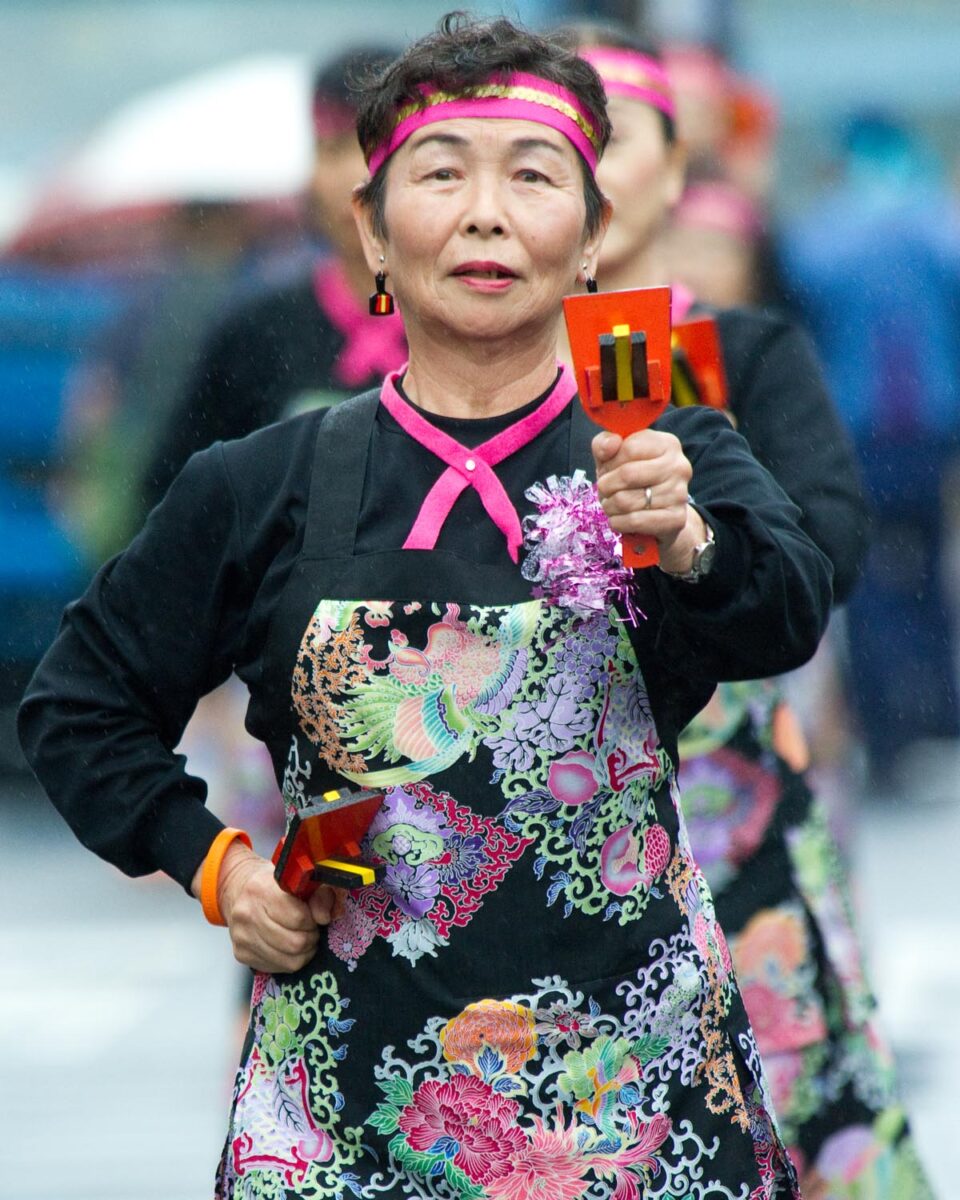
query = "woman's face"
x=642 y=175
x=718 y=266
x=338 y=167
x=485 y=227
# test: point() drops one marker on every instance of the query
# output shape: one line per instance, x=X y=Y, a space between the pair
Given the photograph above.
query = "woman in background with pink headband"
x=422 y=589
x=714 y=244
x=755 y=827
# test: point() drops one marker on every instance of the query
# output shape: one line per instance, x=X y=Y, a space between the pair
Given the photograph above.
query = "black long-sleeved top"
x=191 y=599
x=280 y=350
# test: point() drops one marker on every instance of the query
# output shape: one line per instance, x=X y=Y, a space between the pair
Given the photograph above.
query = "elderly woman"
x=537 y=999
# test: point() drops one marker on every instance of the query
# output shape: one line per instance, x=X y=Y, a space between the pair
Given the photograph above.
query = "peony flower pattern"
x=463 y=1121
x=497 y=1031
x=492 y=1104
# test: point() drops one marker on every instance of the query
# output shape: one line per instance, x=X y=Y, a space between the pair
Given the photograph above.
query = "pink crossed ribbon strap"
x=471 y=467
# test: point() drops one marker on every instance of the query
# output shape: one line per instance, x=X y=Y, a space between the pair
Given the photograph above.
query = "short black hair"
x=584 y=35
x=464 y=52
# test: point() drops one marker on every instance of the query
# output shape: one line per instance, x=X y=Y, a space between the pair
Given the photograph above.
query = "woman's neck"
x=645 y=268
x=478 y=378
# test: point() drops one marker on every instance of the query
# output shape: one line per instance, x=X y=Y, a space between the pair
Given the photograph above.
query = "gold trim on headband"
x=636 y=77
x=503 y=91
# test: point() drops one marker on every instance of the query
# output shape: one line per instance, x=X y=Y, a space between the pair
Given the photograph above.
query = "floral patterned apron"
x=537 y=1000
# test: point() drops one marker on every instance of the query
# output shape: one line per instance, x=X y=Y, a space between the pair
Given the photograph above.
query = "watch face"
x=704 y=557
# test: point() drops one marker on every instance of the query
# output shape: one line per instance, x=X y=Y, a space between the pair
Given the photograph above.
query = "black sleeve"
x=158 y=627
x=779 y=398
x=764 y=606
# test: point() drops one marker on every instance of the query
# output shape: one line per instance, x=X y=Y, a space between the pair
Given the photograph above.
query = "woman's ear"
x=591 y=249
x=373 y=248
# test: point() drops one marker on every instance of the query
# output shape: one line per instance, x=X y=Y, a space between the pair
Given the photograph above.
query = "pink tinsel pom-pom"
x=573 y=556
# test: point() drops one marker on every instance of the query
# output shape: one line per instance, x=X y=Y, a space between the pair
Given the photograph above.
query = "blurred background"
x=156 y=173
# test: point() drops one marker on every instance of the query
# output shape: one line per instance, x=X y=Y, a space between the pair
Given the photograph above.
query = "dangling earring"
x=381 y=302
x=588 y=279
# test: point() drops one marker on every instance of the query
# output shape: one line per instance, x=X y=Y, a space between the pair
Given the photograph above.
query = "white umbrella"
x=240 y=132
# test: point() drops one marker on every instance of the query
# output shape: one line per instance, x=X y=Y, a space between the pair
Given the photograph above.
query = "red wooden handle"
x=640 y=550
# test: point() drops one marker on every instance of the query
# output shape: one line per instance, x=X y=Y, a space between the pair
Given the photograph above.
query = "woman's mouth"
x=485 y=276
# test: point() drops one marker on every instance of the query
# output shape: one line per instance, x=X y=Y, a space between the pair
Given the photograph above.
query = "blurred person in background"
x=760 y=835
x=310 y=342
x=205 y=255
x=875 y=265
x=711 y=243
x=306 y=343
x=727 y=121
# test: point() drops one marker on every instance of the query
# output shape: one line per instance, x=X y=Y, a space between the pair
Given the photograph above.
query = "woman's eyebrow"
x=521 y=145
x=518 y=145
x=446 y=139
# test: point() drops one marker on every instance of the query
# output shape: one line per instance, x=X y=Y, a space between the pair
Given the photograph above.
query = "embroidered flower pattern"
x=497 y=1104
x=440 y=861
x=285 y=1131
x=560 y=1023
x=728 y=803
x=569 y=730
x=497 y=1028
x=557 y=1093
x=463 y=1121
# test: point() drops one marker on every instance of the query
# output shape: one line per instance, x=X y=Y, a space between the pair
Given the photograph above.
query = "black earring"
x=381 y=302
x=588 y=279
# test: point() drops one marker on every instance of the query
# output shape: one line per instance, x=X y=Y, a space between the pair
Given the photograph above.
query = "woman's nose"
x=483 y=215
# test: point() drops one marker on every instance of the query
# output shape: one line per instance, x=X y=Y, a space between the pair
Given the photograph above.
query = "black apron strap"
x=582 y=433
x=339 y=469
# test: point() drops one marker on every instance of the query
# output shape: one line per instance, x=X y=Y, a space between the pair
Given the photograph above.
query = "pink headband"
x=633 y=75
x=721 y=207
x=331 y=119
x=519 y=96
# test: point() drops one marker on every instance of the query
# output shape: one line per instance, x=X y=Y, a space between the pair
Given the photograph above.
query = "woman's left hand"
x=642 y=481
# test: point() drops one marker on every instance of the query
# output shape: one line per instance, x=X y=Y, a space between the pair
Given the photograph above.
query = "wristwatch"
x=704 y=554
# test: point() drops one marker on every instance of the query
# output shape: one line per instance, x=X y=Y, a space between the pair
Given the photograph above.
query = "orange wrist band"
x=210 y=875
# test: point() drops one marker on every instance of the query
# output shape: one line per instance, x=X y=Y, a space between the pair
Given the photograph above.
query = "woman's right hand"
x=271 y=930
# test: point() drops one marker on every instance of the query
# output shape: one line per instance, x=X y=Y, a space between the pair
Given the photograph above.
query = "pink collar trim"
x=471 y=467
x=372 y=346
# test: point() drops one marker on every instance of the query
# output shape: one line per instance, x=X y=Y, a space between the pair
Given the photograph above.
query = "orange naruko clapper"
x=620 y=345
x=699 y=340
x=322 y=844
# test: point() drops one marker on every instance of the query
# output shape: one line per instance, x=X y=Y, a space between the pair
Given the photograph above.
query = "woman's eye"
x=443 y=174
x=530 y=176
